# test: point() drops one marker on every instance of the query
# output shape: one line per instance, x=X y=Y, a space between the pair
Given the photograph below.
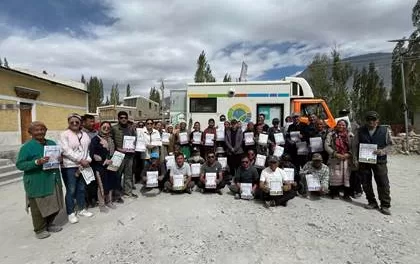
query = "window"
x=203 y=105
x=139 y=113
x=317 y=109
x=150 y=105
x=297 y=89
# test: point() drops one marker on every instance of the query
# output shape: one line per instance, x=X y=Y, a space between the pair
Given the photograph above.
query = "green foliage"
x=115 y=95
x=319 y=76
x=5 y=63
x=82 y=80
x=95 y=89
x=128 y=91
x=154 y=95
x=227 y=78
x=203 y=72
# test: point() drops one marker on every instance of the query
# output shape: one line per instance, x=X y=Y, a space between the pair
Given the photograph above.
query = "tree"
x=115 y=95
x=203 y=72
x=1 y=63
x=154 y=95
x=319 y=77
x=340 y=74
x=107 y=102
x=6 y=63
x=227 y=78
x=128 y=91
x=95 y=89
x=82 y=80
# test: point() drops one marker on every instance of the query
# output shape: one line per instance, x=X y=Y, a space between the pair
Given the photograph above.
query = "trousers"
x=380 y=173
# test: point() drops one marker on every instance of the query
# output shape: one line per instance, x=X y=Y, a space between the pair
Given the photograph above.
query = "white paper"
x=278 y=151
x=220 y=134
x=221 y=126
x=87 y=174
x=129 y=143
x=316 y=144
x=116 y=159
x=302 y=148
x=178 y=182
x=183 y=138
x=279 y=138
x=197 y=138
x=165 y=138
x=260 y=161
x=249 y=138
x=170 y=162
x=209 y=140
x=244 y=126
x=140 y=142
x=152 y=179
x=54 y=153
x=195 y=169
x=156 y=140
x=263 y=139
x=246 y=191
x=276 y=186
x=211 y=180
x=290 y=175
x=366 y=153
x=295 y=136
x=286 y=126
x=222 y=161
x=313 y=183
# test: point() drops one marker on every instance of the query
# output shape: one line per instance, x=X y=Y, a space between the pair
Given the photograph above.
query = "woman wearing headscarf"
x=184 y=145
x=75 y=149
x=102 y=148
x=338 y=144
x=43 y=187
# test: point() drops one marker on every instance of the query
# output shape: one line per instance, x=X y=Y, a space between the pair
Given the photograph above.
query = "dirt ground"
x=210 y=228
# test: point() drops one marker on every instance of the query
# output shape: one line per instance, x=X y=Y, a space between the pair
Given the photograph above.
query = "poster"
x=195 y=169
x=165 y=138
x=170 y=162
x=209 y=140
x=152 y=179
x=366 y=153
x=276 y=186
x=116 y=159
x=220 y=134
x=54 y=153
x=178 y=182
x=222 y=161
x=87 y=174
x=211 y=180
x=290 y=175
x=183 y=138
x=140 y=142
x=313 y=182
x=246 y=191
x=156 y=140
x=279 y=139
x=316 y=144
x=197 y=138
x=302 y=148
x=278 y=151
x=249 y=138
x=295 y=136
x=260 y=161
x=262 y=139
x=129 y=143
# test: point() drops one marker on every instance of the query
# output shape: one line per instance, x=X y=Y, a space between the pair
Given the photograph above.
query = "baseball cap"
x=372 y=114
x=272 y=159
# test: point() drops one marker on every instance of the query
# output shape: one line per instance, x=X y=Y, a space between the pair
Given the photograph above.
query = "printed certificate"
x=211 y=180
x=54 y=153
x=152 y=179
x=366 y=153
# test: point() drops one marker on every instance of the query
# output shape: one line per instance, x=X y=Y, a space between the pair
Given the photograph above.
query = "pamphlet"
x=54 y=153
x=152 y=179
x=116 y=159
x=211 y=180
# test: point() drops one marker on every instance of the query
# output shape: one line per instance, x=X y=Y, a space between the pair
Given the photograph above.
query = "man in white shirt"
x=180 y=168
x=270 y=175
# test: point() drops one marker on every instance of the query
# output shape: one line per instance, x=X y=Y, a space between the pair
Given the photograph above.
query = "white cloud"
x=162 y=39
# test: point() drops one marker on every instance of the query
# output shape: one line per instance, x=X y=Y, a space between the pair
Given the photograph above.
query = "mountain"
x=382 y=60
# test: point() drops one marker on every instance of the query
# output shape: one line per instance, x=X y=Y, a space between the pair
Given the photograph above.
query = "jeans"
x=380 y=174
x=126 y=169
x=75 y=188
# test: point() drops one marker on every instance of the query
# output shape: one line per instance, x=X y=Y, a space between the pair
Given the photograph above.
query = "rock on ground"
x=210 y=228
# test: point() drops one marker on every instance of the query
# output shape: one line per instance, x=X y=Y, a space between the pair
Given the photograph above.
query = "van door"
x=271 y=111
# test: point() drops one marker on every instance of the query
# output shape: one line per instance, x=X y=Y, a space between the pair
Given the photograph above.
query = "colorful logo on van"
x=239 y=112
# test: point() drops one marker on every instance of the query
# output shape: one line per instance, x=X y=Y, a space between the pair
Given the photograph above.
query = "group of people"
x=273 y=164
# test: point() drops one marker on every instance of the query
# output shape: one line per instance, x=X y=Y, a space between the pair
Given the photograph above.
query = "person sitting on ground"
x=318 y=169
x=43 y=188
x=196 y=159
x=221 y=154
x=245 y=174
x=154 y=164
x=273 y=172
x=180 y=168
x=211 y=166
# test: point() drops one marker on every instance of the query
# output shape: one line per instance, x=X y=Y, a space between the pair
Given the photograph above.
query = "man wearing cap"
x=270 y=173
x=373 y=133
x=119 y=131
x=154 y=164
x=211 y=166
x=316 y=168
x=234 y=138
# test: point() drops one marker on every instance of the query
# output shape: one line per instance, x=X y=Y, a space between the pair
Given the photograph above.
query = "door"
x=25 y=120
x=271 y=111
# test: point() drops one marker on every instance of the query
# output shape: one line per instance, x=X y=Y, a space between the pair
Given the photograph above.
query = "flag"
x=244 y=70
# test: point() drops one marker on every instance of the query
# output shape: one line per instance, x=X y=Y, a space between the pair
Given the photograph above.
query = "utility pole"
x=405 y=106
x=162 y=101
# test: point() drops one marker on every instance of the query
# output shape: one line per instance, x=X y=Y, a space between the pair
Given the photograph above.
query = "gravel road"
x=210 y=228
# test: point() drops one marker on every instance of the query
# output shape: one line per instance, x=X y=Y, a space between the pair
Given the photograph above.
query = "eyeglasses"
x=106 y=127
x=123 y=117
x=149 y=123
x=75 y=122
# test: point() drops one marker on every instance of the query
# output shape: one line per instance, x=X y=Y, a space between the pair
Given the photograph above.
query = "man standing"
x=372 y=133
x=209 y=144
x=275 y=129
x=119 y=131
x=234 y=137
x=291 y=140
x=183 y=169
x=211 y=166
x=88 y=125
x=261 y=122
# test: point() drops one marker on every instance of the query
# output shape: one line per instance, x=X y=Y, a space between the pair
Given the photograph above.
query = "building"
x=138 y=108
x=27 y=96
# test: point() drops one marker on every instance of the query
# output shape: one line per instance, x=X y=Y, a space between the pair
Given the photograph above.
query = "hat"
x=316 y=157
x=295 y=114
x=372 y=114
x=344 y=112
x=195 y=149
x=74 y=115
x=154 y=155
x=220 y=150
x=272 y=159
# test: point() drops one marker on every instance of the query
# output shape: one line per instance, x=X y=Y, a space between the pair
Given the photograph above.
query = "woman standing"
x=102 y=148
x=338 y=144
x=43 y=187
x=75 y=150
x=181 y=139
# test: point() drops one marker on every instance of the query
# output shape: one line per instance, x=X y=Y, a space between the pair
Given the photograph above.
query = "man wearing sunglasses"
x=246 y=173
x=211 y=166
x=118 y=132
x=373 y=133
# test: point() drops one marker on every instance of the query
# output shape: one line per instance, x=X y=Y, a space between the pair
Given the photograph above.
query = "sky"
x=142 y=41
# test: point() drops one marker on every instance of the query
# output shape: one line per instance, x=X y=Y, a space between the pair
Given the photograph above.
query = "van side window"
x=297 y=89
x=317 y=109
x=203 y=105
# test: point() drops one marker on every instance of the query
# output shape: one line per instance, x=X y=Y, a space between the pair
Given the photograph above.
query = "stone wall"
x=399 y=143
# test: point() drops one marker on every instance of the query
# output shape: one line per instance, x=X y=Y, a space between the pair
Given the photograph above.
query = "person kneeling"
x=246 y=176
x=180 y=176
x=211 y=176
x=275 y=191
x=153 y=174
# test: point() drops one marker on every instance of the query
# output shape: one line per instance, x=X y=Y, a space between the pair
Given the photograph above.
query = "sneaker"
x=371 y=206
x=188 y=190
x=103 y=209
x=237 y=196
x=85 y=213
x=54 y=228
x=219 y=192
x=42 y=234
x=358 y=195
x=346 y=198
x=73 y=218
x=385 y=211
x=119 y=200
x=111 y=205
